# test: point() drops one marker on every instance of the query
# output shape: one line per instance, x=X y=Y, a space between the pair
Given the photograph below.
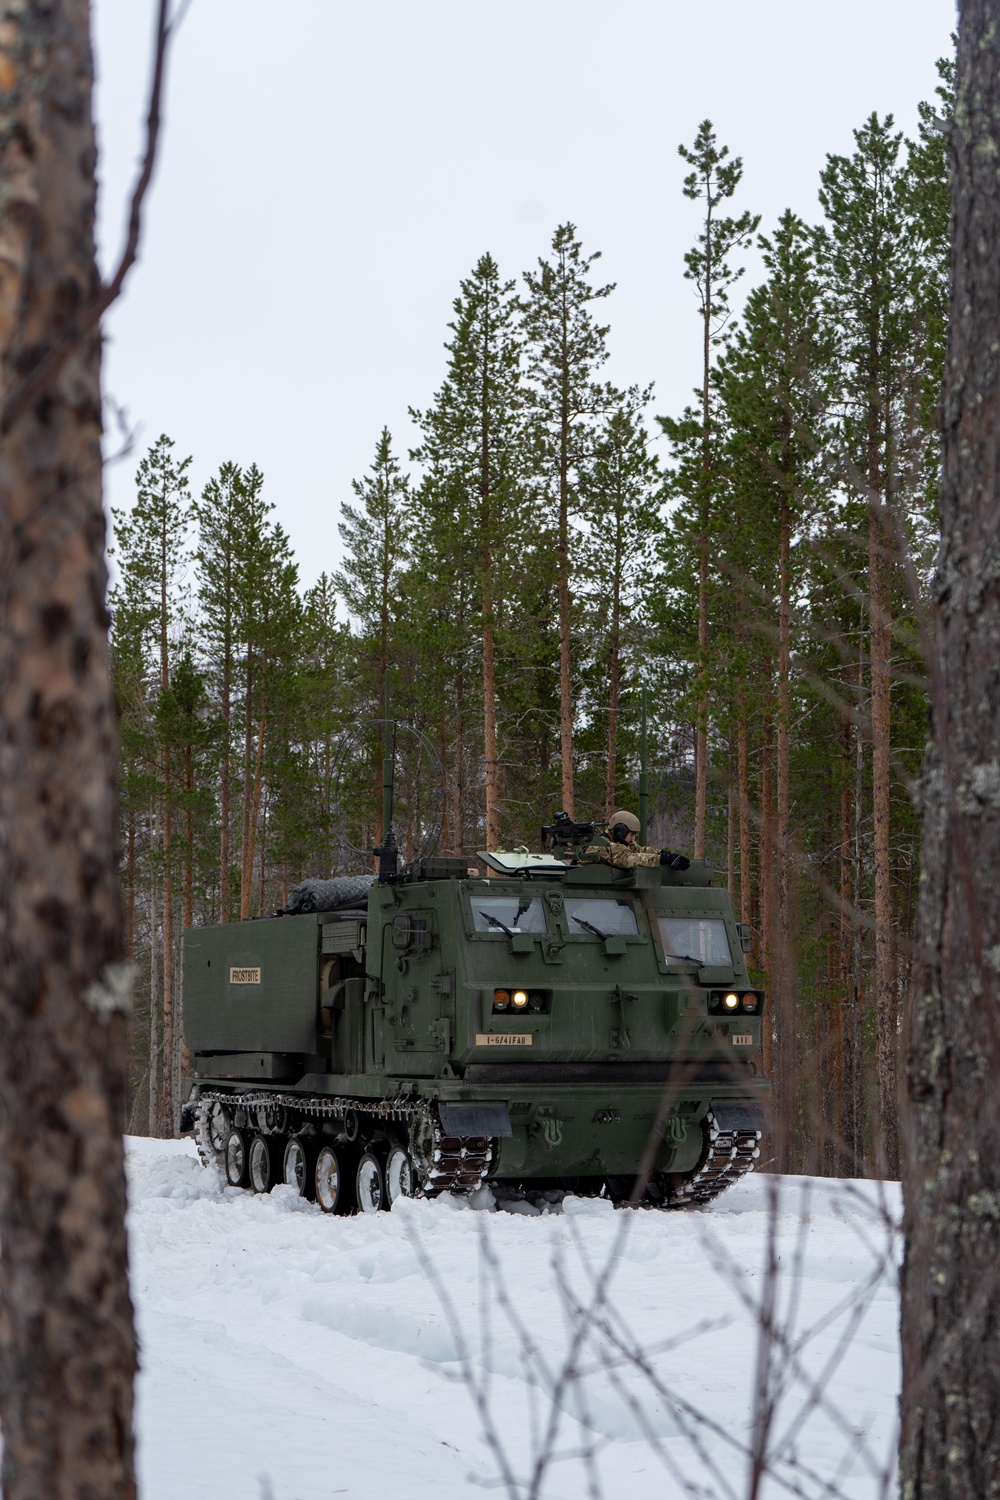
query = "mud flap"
x=491 y=1120
x=738 y=1114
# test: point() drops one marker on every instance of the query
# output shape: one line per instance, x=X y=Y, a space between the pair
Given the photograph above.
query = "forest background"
x=532 y=568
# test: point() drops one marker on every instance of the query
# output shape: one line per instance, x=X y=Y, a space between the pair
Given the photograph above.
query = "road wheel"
x=220 y=1123
x=260 y=1165
x=295 y=1167
x=236 y=1159
x=400 y=1178
x=334 y=1189
x=371 y=1184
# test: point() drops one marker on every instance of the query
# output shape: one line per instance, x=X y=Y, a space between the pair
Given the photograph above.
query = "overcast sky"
x=330 y=171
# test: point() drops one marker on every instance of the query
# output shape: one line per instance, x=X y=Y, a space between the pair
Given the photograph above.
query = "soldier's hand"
x=674 y=861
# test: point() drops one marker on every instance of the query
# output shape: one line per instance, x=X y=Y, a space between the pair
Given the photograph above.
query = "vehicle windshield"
x=701 y=940
x=602 y=916
x=508 y=913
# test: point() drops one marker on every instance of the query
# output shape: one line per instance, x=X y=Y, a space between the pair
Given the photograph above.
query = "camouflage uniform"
x=622 y=856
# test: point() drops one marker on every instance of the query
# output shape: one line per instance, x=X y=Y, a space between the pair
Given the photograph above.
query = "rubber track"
x=458 y=1163
x=729 y=1155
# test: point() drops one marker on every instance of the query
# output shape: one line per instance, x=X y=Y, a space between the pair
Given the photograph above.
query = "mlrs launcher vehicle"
x=548 y=1023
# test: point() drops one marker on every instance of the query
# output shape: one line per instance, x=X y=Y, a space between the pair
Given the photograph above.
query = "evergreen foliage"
x=533 y=568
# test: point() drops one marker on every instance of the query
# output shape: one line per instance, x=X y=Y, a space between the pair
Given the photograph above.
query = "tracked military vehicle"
x=533 y=1022
x=543 y=1023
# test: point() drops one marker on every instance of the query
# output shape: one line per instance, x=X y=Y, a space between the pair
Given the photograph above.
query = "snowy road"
x=289 y=1354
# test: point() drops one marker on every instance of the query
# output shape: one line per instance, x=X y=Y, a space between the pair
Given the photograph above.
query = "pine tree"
x=566 y=348
x=152 y=551
x=775 y=382
x=472 y=446
x=376 y=540
x=621 y=498
x=220 y=518
x=267 y=617
x=868 y=254
x=713 y=179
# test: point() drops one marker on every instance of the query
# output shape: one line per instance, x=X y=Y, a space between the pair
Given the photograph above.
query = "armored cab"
x=545 y=1023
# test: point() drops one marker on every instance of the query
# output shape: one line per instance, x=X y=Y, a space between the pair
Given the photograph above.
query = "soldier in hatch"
x=620 y=849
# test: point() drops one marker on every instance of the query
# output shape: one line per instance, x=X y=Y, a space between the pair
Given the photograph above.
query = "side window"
x=508 y=914
x=601 y=916
x=411 y=933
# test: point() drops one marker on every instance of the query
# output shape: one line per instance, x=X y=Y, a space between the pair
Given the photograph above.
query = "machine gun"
x=566 y=839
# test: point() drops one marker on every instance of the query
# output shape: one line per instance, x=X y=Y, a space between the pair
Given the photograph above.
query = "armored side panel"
x=252 y=987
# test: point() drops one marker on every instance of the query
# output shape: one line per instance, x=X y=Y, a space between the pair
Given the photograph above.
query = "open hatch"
x=522 y=862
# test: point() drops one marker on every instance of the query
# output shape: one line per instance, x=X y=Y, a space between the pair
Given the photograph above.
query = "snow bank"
x=288 y=1354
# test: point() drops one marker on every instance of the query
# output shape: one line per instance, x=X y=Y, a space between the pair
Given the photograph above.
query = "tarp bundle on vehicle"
x=328 y=895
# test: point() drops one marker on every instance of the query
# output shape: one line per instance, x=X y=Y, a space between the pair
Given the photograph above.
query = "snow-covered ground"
x=427 y=1351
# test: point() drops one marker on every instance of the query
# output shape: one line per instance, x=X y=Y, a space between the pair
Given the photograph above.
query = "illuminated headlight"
x=731 y=1001
x=519 y=999
x=501 y=999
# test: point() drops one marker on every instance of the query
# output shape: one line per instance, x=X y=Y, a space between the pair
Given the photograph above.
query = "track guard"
x=738 y=1114
x=485 y=1119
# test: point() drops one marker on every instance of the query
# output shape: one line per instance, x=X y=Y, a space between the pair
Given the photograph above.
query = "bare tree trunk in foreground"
x=951 y=1292
x=67 y=1353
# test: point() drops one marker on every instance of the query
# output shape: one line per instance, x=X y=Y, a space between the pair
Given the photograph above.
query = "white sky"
x=330 y=171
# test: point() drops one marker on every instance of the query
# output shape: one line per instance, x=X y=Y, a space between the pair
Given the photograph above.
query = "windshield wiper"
x=685 y=958
x=496 y=922
x=591 y=928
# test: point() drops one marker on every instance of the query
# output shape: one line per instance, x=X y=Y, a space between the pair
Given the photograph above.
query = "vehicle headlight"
x=731 y=1001
x=519 y=999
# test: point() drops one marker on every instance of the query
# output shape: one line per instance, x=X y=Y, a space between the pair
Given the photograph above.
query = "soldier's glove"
x=674 y=861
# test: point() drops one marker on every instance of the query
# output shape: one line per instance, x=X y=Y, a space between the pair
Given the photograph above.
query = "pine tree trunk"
x=885 y=991
x=951 y=1296
x=846 y=1166
x=767 y=872
x=447 y=842
x=256 y=792
x=224 y=774
x=167 y=1099
x=154 y=1011
x=458 y=790
x=565 y=661
x=614 y=690
x=701 y=723
x=731 y=835
x=67 y=1349
x=492 y=829
x=188 y=838
x=492 y=832
x=247 y=797
x=130 y=888
x=262 y=861
x=743 y=774
x=167 y=1112
x=784 y=990
x=857 y=931
x=830 y=999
